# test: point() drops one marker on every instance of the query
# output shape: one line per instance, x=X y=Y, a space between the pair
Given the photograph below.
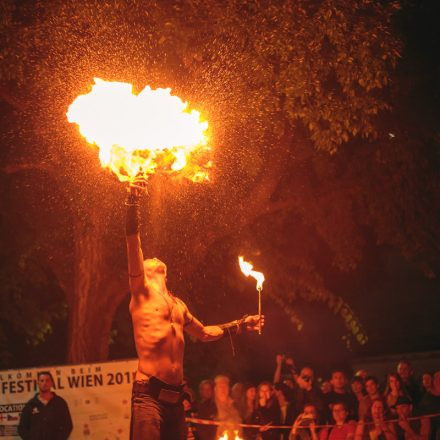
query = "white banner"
x=98 y=396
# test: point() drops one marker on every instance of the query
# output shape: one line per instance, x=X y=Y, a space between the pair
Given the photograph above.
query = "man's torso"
x=158 y=320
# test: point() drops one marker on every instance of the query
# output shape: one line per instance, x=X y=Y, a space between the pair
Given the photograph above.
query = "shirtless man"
x=159 y=319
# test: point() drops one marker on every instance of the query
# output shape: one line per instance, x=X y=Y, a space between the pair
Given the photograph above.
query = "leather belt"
x=159 y=390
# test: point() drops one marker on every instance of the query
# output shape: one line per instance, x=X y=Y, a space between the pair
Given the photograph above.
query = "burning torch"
x=247 y=269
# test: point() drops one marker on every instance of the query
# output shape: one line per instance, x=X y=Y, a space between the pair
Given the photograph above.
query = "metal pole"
x=259 y=310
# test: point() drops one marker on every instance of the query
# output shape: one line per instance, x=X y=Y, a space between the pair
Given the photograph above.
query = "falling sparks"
x=146 y=133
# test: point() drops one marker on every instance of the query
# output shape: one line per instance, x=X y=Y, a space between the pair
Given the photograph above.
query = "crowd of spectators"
x=341 y=408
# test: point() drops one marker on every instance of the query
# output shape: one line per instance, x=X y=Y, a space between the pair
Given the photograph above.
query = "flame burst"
x=145 y=133
x=247 y=269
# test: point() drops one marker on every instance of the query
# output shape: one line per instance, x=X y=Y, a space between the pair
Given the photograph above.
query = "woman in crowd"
x=248 y=414
x=394 y=389
x=426 y=383
x=304 y=427
x=376 y=426
x=267 y=412
x=357 y=388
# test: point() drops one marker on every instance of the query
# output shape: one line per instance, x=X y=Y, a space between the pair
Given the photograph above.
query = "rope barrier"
x=245 y=425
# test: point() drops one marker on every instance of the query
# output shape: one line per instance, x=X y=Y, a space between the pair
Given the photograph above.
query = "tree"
x=292 y=91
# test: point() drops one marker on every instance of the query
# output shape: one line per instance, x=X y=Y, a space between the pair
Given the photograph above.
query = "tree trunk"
x=96 y=293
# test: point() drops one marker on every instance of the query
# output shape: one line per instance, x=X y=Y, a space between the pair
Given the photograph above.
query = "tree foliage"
x=295 y=93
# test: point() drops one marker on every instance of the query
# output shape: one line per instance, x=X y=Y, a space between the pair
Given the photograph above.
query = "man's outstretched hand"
x=253 y=323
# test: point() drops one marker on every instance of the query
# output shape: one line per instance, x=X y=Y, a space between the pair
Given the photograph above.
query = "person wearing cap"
x=409 y=429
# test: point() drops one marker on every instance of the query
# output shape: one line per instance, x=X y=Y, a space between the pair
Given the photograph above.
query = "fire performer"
x=159 y=319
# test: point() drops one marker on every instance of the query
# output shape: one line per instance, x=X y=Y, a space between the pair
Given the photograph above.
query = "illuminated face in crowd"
x=339 y=413
x=44 y=383
x=371 y=387
x=265 y=391
x=377 y=410
x=251 y=393
x=206 y=391
x=357 y=386
x=394 y=383
x=404 y=371
x=338 y=380
x=310 y=411
x=427 y=381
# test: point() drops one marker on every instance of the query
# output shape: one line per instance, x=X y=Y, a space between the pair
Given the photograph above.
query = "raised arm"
x=135 y=256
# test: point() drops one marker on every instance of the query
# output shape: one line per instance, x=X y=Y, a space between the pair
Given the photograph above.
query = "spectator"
x=363 y=374
x=395 y=389
x=357 y=388
x=426 y=383
x=326 y=387
x=405 y=372
x=46 y=415
x=372 y=389
x=305 y=392
x=206 y=410
x=379 y=428
x=282 y=393
x=189 y=412
x=344 y=429
x=237 y=394
x=430 y=404
x=249 y=412
x=304 y=427
x=227 y=413
x=340 y=394
x=284 y=370
x=410 y=429
x=267 y=411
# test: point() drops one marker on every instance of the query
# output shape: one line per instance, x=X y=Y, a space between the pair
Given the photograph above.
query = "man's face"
x=310 y=410
x=427 y=380
x=404 y=370
x=339 y=413
x=394 y=384
x=377 y=410
x=44 y=383
x=326 y=387
x=356 y=387
x=206 y=391
x=371 y=387
x=222 y=389
x=305 y=378
x=154 y=268
x=338 y=380
x=265 y=392
x=251 y=393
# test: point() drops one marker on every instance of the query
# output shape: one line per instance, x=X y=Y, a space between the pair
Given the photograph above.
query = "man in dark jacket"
x=46 y=416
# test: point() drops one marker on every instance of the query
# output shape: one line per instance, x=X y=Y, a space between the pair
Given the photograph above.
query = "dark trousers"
x=154 y=420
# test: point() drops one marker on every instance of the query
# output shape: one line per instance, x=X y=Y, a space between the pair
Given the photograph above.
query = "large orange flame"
x=247 y=269
x=146 y=133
